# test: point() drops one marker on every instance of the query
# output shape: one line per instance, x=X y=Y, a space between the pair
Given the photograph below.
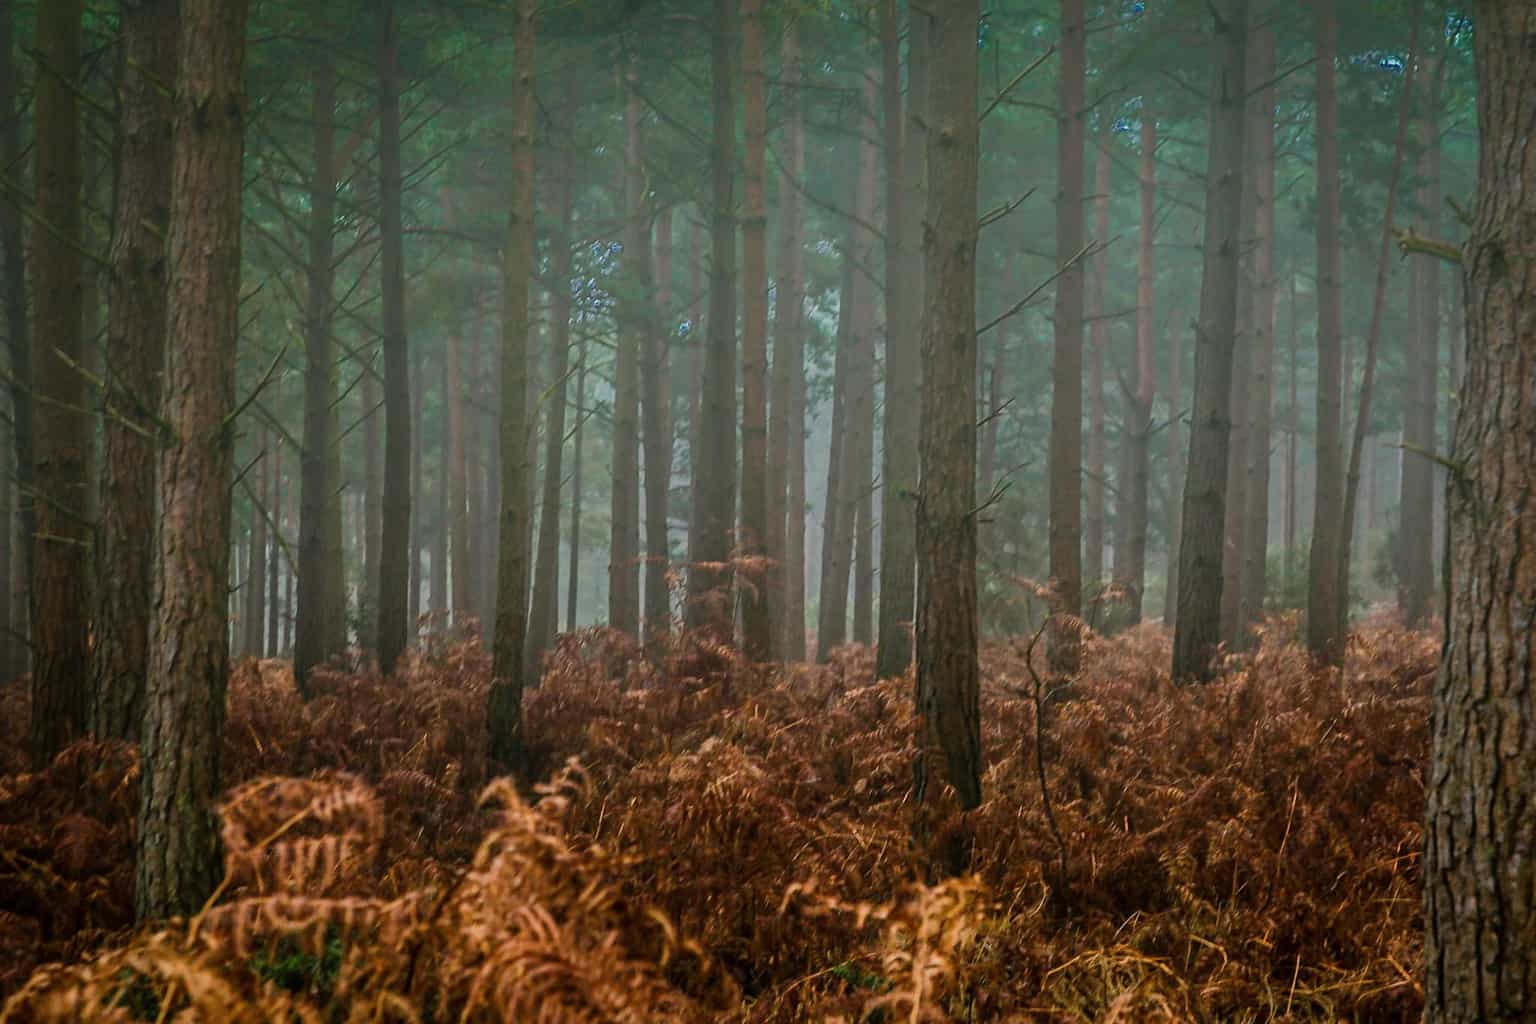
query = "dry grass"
x=720 y=841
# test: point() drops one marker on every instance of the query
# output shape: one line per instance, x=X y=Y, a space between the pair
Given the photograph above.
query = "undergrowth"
x=723 y=841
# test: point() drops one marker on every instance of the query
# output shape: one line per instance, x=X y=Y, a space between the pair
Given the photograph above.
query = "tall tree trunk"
x=1131 y=567
x=17 y=334
x=373 y=502
x=1261 y=154
x=441 y=598
x=1480 y=943
x=1325 y=605
x=861 y=368
x=948 y=674
x=1293 y=430
x=542 y=618
x=1177 y=453
x=135 y=358
x=1416 y=533
x=505 y=709
x=461 y=552
x=624 y=543
x=905 y=165
x=395 y=538
x=273 y=646
x=756 y=630
x=183 y=732
x=714 y=490
x=1098 y=338
x=1066 y=444
x=418 y=389
x=792 y=299
x=1236 y=502
x=1373 y=334
x=656 y=416
x=1197 y=629
x=61 y=669
x=837 y=520
x=474 y=472
x=256 y=576
x=573 y=578
x=316 y=617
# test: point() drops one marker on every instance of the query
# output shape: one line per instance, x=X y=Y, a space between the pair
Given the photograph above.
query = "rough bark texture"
x=1481 y=920
x=1261 y=156
x=784 y=428
x=395 y=540
x=1066 y=444
x=624 y=541
x=13 y=283
x=318 y=614
x=1197 y=630
x=756 y=629
x=1416 y=533
x=948 y=676
x=61 y=567
x=1098 y=338
x=543 y=614
x=1324 y=602
x=714 y=484
x=905 y=166
x=505 y=712
x=135 y=354
x=178 y=839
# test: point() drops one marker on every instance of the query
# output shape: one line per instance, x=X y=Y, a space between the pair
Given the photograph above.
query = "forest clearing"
x=767 y=510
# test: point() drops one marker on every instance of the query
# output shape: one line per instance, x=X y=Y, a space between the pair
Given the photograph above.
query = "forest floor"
x=719 y=841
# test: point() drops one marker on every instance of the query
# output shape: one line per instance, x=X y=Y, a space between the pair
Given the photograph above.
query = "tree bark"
x=1261 y=154
x=373 y=500
x=319 y=618
x=418 y=386
x=861 y=368
x=1416 y=532
x=1197 y=630
x=714 y=491
x=837 y=518
x=60 y=653
x=573 y=580
x=273 y=646
x=905 y=160
x=395 y=538
x=135 y=357
x=505 y=710
x=183 y=733
x=624 y=542
x=1176 y=455
x=542 y=618
x=1325 y=605
x=1098 y=337
x=756 y=629
x=256 y=575
x=1480 y=943
x=948 y=674
x=13 y=283
x=1066 y=442
x=656 y=422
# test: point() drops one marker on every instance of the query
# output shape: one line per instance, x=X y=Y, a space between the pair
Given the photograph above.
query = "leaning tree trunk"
x=1480 y=943
x=1197 y=629
x=183 y=733
x=135 y=354
x=505 y=710
x=948 y=673
x=1066 y=443
x=61 y=568
x=395 y=541
x=756 y=629
x=714 y=490
x=542 y=618
x=1324 y=602
x=905 y=162
x=318 y=613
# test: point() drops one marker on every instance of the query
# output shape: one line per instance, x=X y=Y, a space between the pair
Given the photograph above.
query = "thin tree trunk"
x=1480 y=942
x=837 y=523
x=573 y=579
x=1098 y=337
x=504 y=713
x=17 y=337
x=135 y=357
x=373 y=504
x=624 y=542
x=61 y=667
x=1197 y=630
x=441 y=598
x=948 y=673
x=474 y=472
x=418 y=389
x=656 y=416
x=1325 y=605
x=905 y=169
x=1261 y=154
x=542 y=619
x=756 y=629
x=861 y=367
x=256 y=576
x=714 y=492
x=394 y=570
x=1177 y=453
x=1235 y=508
x=274 y=643
x=183 y=731
x=315 y=619
x=461 y=551
x=1066 y=442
